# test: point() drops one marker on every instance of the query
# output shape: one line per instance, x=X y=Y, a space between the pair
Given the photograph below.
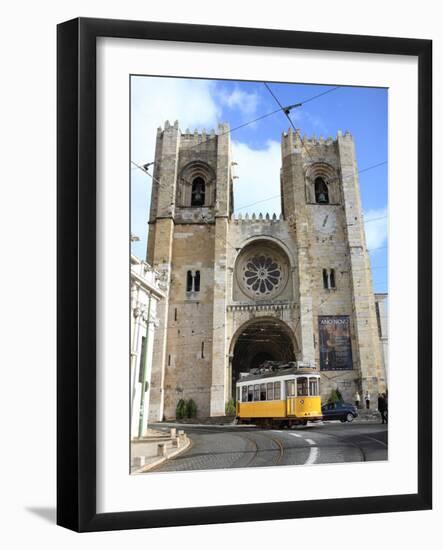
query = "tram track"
x=344 y=443
x=252 y=447
x=255 y=451
x=261 y=452
x=281 y=448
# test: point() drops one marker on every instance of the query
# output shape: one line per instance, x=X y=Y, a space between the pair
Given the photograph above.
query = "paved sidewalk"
x=364 y=416
x=155 y=447
x=371 y=415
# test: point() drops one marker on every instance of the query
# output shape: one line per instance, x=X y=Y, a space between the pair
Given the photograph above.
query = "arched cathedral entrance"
x=260 y=340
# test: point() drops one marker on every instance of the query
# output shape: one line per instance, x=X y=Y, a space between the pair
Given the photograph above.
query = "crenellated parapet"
x=271 y=307
x=193 y=138
x=256 y=218
x=293 y=142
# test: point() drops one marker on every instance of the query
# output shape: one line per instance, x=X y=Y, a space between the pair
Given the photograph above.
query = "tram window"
x=313 y=386
x=250 y=393
x=277 y=391
x=302 y=386
x=262 y=392
x=270 y=391
x=238 y=394
x=244 y=394
x=290 y=388
x=256 y=392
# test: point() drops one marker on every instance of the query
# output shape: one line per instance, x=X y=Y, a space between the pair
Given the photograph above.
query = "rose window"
x=262 y=275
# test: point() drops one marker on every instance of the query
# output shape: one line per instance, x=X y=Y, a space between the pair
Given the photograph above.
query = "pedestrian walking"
x=367 y=400
x=357 y=399
x=383 y=408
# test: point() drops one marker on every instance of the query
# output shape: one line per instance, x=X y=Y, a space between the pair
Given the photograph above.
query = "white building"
x=146 y=291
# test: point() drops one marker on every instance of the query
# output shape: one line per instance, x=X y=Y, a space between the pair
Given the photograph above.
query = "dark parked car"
x=345 y=412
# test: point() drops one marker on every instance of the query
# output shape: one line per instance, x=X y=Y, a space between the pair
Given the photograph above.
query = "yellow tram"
x=280 y=395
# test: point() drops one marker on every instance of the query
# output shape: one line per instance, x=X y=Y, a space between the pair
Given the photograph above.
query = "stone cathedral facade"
x=242 y=290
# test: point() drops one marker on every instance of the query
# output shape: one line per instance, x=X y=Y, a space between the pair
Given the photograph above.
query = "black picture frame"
x=76 y=264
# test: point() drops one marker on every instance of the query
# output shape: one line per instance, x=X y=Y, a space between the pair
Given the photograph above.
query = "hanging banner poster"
x=335 y=342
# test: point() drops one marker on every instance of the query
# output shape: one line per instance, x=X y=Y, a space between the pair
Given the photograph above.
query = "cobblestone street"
x=216 y=447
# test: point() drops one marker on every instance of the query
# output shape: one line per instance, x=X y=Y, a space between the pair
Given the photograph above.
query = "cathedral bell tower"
x=191 y=201
x=321 y=201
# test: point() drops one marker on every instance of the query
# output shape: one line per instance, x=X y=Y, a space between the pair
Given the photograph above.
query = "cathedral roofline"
x=222 y=128
x=247 y=218
x=295 y=138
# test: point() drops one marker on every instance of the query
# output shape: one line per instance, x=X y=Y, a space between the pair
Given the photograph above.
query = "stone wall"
x=189 y=342
x=195 y=344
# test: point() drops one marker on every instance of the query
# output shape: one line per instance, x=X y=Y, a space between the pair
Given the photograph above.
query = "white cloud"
x=194 y=104
x=245 y=102
x=155 y=100
x=376 y=227
x=259 y=178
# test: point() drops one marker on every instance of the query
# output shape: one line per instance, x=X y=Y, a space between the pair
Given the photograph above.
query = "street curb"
x=162 y=459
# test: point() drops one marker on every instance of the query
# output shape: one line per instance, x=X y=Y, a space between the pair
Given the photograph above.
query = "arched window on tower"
x=325 y=279
x=328 y=279
x=321 y=191
x=189 y=281
x=198 y=192
x=197 y=281
x=332 y=278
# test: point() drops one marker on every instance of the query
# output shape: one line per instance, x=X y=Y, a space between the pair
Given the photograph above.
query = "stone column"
x=163 y=246
x=160 y=251
x=219 y=351
x=294 y=199
x=365 y=320
x=306 y=321
x=219 y=383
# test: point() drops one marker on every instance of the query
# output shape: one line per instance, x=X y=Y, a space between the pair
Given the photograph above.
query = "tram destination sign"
x=335 y=342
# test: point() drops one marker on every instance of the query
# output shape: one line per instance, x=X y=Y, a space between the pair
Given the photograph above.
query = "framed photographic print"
x=244 y=274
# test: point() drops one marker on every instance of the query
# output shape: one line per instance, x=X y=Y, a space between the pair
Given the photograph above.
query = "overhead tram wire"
x=281 y=108
x=309 y=310
x=144 y=169
x=375 y=219
x=223 y=325
x=204 y=219
x=288 y=108
x=278 y=196
x=229 y=131
x=319 y=95
x=373 y=166
x=286 y=111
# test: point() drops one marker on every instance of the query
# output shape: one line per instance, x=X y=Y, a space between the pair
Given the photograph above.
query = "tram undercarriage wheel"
x=300 y=422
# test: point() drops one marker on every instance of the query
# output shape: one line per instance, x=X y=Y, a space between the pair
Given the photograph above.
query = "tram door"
x=290 y=397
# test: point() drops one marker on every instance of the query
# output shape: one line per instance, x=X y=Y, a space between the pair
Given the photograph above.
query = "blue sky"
x=199 y=104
